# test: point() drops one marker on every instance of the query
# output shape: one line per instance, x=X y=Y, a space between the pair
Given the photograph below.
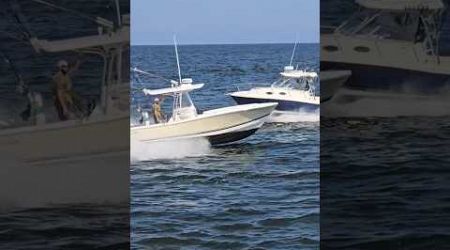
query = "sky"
x=154 y=22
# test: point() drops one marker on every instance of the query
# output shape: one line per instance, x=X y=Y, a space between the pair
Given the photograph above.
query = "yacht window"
x=269 y=93
x=282 y=93
x=383 y=24
x=330 y=48
x=361 y=49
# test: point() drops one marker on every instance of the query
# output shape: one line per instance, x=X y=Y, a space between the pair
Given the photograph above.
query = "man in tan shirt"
x=158 y=115
x=62 y=88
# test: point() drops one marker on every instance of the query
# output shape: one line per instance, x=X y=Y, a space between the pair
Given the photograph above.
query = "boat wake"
x=294 y=116
x=176 y=149
x=351 y=103
x=91 y=181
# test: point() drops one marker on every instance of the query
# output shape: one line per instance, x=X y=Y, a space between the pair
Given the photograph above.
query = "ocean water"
x=30 y=215
x=259 y=193
x=384 y=182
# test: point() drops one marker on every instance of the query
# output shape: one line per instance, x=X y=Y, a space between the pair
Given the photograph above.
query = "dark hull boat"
x=390 y=45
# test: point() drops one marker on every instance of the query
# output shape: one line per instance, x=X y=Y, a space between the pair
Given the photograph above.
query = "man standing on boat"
x=62 y=88
x=158 y=115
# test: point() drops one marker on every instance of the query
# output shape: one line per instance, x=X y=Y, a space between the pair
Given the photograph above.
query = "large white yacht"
x=294 y=91
x=390 y=45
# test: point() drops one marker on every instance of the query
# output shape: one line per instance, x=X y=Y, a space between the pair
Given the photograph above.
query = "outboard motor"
x=145 y=118
x=37 y=108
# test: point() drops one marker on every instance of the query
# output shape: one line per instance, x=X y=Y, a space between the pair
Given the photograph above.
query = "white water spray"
x=295 y=116
x=375 y=104
x=93 y=180
x=176 y=149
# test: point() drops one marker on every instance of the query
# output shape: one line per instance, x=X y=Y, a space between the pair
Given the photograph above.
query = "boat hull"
x=65 y=140
x=219 y=126
x=66 y=162
x=374 y=77
x=283 y=105
x=384 y=64
x=330 y=82
x=230 y=137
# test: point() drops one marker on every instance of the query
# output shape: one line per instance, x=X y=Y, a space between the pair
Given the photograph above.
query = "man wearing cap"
x=62 y=86
x=158 y=115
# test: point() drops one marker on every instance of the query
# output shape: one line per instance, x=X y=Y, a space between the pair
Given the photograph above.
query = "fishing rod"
x=136 y=70
x=22 y=87
x=20 y=19
x=293 y=53
x=178 y=59
x=73 y=12
x=19 y=22
x=97 y=20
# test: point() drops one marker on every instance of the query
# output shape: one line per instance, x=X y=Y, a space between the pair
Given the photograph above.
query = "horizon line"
x=193 y=44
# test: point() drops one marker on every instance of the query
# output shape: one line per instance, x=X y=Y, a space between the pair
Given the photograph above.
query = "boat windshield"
x=385 y=24
x=186 y=101
x=183 y=107
x=304 y=83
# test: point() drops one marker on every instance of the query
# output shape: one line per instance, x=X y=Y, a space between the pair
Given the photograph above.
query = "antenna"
x=176 y=54
x=293 y=53
x=119 y=17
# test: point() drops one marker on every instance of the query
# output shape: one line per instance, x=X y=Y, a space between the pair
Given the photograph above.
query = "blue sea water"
x=384 y=165
x=259 y=193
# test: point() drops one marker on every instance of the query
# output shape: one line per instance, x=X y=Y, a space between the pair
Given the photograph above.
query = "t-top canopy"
x=182 y=88
x=120 y=36
x=402 y=4
x=299 y=74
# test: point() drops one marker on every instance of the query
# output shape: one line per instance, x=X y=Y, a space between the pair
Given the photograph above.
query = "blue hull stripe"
x=385 y=78
x=282 y=105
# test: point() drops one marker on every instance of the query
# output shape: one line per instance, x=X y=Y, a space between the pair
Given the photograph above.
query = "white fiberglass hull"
x=66 y=140
x=287 y=99
x=331 y=81
x=66 y=162
x=385 y=65
x=221 y=125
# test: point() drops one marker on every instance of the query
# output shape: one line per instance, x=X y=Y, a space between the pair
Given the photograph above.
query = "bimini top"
x=120 y=36
x=298 y=74
x=402 y=4
x=182 y=88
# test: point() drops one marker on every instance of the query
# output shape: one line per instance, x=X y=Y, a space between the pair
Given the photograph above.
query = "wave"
x=97 y=180
x=294 y=116
x=174 y=149
x=350 y=103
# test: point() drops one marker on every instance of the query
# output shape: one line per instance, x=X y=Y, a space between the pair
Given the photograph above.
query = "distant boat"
x=294 y=91
x=390 y=45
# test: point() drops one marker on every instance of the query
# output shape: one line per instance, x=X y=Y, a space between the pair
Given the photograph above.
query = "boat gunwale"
x=69 y=124
x=212 y=114
x=211 y=132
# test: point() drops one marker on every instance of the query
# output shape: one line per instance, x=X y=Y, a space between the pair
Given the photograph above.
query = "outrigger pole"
x=178 y=60
x=293 y=52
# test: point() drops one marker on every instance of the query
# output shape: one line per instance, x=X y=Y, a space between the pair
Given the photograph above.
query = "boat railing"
x=250 y=85
x=327 y=29
x=376 y=45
